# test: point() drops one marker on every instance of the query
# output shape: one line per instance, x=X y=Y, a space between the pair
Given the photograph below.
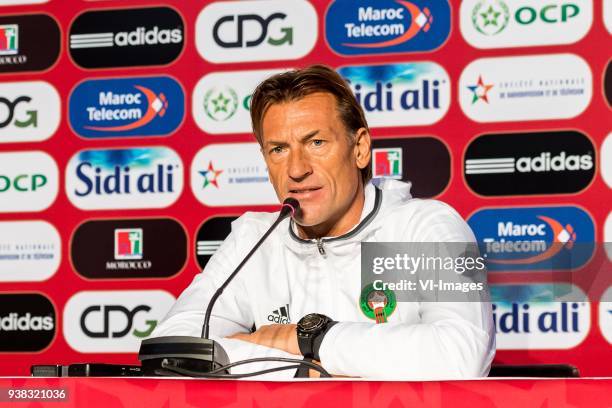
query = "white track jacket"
x=288 y=278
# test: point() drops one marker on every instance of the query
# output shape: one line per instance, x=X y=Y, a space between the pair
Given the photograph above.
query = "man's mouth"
x=304 y=190
x=303 y=193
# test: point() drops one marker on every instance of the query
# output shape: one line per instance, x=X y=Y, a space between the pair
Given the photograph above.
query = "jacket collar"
x=372 y=204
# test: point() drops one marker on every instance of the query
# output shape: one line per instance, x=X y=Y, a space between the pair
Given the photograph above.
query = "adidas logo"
x=280 y=315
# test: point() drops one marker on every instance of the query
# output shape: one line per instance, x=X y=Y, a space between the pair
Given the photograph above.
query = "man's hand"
x=278 y=336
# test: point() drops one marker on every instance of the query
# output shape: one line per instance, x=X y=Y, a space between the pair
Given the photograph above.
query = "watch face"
x=312 y=322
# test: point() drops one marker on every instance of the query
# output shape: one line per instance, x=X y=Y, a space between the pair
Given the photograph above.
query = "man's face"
x=311 y=157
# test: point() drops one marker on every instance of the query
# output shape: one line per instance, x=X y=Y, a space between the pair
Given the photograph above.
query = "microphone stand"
x=199 y=354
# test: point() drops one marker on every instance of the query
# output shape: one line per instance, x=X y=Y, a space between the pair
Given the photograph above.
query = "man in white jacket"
x=316 y=144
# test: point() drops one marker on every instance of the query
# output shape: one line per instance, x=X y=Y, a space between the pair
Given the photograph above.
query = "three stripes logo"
x=490 y=166
x=207 y=248
x=126 y=37
x=554 y=162
x=140 y=36
x=95 y=40
x=210 y=236
x=280 y=315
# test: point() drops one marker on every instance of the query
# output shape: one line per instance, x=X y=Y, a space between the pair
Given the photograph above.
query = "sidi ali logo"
x=386 y=26
x=534 y=238
x=540 y=316
x=150 y=177
x=406 y=94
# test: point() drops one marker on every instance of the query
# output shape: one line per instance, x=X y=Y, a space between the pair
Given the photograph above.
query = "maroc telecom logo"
x=387 y=26
x=148 y=106
x=534 y=238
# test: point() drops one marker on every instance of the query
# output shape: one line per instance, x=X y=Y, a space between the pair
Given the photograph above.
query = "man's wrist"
x=310 y=330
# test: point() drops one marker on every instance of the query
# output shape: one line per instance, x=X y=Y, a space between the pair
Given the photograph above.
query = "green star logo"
x=490 y=17
x=220 y=104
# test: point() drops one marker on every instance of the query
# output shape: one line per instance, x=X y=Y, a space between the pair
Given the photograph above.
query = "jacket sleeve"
x=453 y=340
x=231 y=313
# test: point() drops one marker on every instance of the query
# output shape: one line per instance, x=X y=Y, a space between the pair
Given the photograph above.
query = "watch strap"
x=303 y=371
x=316 y=343
x=305 y=345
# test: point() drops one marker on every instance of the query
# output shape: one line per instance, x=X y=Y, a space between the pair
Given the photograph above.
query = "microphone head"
x=290 y=207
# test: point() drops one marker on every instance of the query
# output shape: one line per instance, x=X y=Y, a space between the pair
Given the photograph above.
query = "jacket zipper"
x=320 y=246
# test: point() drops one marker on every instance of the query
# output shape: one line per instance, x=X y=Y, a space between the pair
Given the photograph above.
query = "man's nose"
x=299 y=167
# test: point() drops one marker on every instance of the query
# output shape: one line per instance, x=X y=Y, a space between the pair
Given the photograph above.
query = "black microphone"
x=289 y=207
x=200 y=354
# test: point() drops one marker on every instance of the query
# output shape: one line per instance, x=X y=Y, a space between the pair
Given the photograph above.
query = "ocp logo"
x=511 y=23
x=150 y=177
x=221 y=100
x=29 y=111
x=387 y=26
x=540 y=316
x=113 y=321
x=147 y=106
x=262 y=30
x=29 y=181
x=534 y=238
x=405 y=94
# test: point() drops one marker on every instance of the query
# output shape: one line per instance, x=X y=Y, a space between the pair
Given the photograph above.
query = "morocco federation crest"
x=377 y=304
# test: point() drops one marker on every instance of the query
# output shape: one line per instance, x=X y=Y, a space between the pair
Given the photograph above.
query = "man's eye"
x=276 y=149
x=317 y=142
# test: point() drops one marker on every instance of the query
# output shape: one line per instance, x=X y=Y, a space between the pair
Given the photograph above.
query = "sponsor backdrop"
x=126 y=153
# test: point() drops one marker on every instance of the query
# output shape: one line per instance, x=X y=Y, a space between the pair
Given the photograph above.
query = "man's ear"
x=362 y=148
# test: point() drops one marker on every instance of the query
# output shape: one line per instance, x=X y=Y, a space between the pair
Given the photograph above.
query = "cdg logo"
x=106 y=319
x=263 y=23
x=30 y=120
x=22 y=182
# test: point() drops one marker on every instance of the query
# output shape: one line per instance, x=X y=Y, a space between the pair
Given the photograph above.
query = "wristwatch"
x=310 y=332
